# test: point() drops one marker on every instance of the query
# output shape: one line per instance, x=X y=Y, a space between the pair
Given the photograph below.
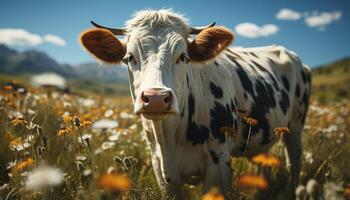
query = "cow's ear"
x=209 y=43
x=103 y=45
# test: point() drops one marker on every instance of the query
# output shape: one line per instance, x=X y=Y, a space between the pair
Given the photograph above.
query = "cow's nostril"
x=167 y=179
x=144 y=99
x=167 y=99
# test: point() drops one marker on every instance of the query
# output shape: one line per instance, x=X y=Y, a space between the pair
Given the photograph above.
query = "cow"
x=185 y=88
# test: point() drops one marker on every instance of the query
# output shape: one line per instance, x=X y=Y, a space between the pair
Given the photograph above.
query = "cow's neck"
x=166 y=135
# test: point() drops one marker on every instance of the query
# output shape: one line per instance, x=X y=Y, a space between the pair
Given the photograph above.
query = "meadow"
x=58 y=145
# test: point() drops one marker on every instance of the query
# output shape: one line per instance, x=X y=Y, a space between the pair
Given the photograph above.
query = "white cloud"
x=322 y=19
x=55 y=40
x=253 y=31
x=21 y=37
x=288 y=14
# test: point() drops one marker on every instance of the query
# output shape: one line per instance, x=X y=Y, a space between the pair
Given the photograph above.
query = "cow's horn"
x=196 y=30
x=115 y=31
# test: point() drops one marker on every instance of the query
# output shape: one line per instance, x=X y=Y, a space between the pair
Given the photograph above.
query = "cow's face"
x=157 y=59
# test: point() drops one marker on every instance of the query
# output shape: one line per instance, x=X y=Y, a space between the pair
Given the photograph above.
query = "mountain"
x=36 y=62
x=102 y=72
x=31 y=62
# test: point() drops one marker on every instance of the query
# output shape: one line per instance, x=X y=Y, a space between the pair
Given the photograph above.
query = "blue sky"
x=53 y=26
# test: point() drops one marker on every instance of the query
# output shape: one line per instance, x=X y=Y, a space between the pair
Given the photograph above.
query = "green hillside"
x=331 y=81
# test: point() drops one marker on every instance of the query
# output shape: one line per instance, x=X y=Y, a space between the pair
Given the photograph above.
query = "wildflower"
x=19 y=122
x=347 y=192
x=114 y=137
x=76 y=122
x=49 y=79
x=108 y=113
x=266 y=160
x=213 y=194
x=280 y=131
x=23 y=165
x=85 y=137
x=85 y=123
x=312 y=189
x=300 y=192
x=43 y=177
x=63 y=131
x=107 y=145
x=115 y=182
x=252 y=181
x=80 y=158
x=15 y=142
x=105 y=124
x=7 y=88
x=68 y=118
x=231 y=132
x=250 y=121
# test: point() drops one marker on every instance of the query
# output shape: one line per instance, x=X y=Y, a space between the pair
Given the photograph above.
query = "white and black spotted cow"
x=187 y=89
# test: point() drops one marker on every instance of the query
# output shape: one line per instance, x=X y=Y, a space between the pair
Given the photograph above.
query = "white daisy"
x=43 y=177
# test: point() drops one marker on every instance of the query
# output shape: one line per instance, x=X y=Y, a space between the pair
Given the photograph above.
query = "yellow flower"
x=63 y=131
x=266 y=160
x=68 y=118
x=7 y=88
x=85 y=123
x=280 y=131
x=250 y=121
x=115 y=182
x=252 y=181
x=347 y=192
x=23 y=165
x=19 y=122
x=15 y=142
x=213 y=194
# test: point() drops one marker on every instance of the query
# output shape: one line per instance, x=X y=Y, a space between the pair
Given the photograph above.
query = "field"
x=56 y=145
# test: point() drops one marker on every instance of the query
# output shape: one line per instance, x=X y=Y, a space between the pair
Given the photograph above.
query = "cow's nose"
x=156 y=101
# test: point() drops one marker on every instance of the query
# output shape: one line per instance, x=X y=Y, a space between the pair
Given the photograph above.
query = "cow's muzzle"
x=156 y=103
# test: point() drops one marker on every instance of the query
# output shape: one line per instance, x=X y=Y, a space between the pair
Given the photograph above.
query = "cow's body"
x=269 y=82
x=184 y=104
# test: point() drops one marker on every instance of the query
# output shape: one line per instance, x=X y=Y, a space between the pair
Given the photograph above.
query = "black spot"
x=263 y=101
x=303 y=75
x=300 y=115
x=297 y=90
x=271 y=61
x=188 y=81
x=259 y=66
x=216 y=63
x=214 y=157
x=245 y=95
x=285 y=82
x=220 y=116
x=251 y=66
x=190 y=106
x=305 y=100
x=253 y=54
x=197 y=134
x=244 y=78
x=284 y=102
x=216 y=90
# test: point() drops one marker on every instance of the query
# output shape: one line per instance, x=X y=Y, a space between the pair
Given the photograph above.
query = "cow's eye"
x=130 y=58
x=182 y=58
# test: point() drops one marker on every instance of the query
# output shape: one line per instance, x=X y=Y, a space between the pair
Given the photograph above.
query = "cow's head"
x=157 y=50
